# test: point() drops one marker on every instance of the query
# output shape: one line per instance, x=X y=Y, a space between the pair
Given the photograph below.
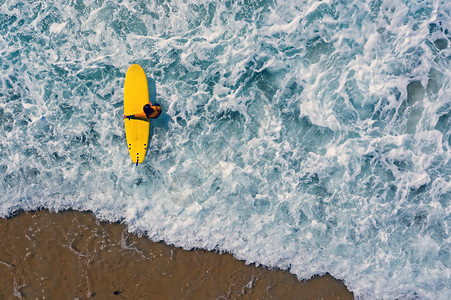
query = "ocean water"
x=311 y=135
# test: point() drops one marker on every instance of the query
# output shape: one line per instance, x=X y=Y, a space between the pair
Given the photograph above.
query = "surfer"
x=151 y=111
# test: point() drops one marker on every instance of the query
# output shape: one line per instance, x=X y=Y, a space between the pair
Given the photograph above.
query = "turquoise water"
x=313 y=137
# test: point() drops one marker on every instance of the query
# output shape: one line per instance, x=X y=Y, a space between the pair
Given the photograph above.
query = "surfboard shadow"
x=163 y=120
x=152 y=89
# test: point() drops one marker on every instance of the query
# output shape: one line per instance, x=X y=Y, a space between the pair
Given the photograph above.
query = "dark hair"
x=148 y=110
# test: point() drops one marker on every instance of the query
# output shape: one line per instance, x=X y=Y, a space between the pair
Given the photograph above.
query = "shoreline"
x=71 y=254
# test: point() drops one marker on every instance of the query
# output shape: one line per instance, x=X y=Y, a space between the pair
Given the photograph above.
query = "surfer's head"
x=148 y=110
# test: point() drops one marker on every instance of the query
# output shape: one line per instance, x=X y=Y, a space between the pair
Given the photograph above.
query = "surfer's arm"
x=136 y=116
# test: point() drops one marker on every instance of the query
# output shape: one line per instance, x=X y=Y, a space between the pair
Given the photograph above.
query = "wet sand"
x=71 y=255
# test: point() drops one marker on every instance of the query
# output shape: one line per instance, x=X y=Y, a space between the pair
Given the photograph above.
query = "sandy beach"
x=70 y=255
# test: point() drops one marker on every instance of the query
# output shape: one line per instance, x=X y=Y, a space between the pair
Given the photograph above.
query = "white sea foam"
x=313 y=137
x=57 y=27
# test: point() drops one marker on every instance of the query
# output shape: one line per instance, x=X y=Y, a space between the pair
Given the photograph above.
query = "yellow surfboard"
x=136 y=95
